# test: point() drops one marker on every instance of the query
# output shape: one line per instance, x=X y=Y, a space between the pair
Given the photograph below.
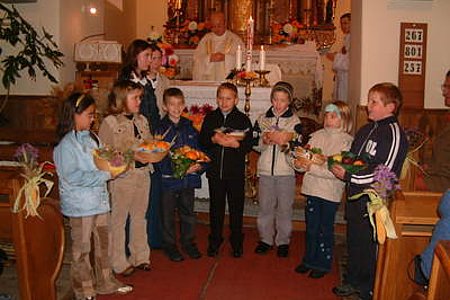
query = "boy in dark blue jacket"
x=226 y=174
x=384 y=142
x=178 y=193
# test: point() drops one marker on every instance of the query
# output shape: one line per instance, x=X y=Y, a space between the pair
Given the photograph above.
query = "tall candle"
x=238 y=58
x=178 y=4
x=248 y=60
x=262 y=59
x=250 y=33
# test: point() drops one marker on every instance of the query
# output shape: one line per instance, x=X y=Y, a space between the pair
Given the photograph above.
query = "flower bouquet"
x=349 y=161
x=153 y=151
x=287 y=32
x=381 y=191
x=247 y=75
x=112 y=160
x=34 y=173
x=184 y=157
x=196 y=114
x=313 y=154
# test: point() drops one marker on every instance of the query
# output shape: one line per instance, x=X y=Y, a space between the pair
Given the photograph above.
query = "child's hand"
x=266 y=138
x=225 y=140
x=302 y=163
x=279 y=137
x=194 y=168
x=338 y=171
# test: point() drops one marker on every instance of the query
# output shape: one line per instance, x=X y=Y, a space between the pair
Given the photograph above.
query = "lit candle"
x=262 y=59
x=250 y=33
x=178 y=4
x=238 y=58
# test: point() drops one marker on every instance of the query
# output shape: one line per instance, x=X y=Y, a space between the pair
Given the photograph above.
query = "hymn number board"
x=411 y=77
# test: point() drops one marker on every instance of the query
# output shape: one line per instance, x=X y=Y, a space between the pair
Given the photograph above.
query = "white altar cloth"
x=300 y=65
x=201 y=92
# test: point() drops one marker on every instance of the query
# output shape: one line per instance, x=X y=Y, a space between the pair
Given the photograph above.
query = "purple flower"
x=386 y=182
x=26 y=153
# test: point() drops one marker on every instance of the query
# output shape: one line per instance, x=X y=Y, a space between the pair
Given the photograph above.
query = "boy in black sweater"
x=384 y=141
x=226 y=174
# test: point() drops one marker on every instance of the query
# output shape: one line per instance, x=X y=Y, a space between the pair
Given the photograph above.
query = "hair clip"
x=78 y=102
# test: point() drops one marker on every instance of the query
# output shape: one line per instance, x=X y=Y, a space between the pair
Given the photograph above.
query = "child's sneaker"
x=192 y=251
x=262 y=248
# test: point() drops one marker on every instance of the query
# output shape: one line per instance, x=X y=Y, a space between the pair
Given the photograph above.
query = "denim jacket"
x=82 y=187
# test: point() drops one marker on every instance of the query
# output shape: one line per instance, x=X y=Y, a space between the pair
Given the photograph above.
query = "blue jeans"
x=319 y=215
x=441 y=232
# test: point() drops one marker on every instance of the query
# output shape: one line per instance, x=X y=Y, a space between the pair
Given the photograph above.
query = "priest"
x=215 y=55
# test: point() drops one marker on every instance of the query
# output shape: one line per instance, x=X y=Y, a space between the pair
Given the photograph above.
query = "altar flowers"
x=196 y=113
x=287 y=32
x=33 y=173
x=381 y=191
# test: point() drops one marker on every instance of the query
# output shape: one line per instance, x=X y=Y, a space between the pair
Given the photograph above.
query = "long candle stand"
x=250 y=183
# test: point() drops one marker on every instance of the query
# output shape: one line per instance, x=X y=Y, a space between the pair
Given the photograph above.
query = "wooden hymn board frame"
x=412 y=63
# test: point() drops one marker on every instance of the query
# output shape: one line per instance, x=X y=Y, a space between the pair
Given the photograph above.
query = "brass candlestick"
x=250 y=187
x=263 y=82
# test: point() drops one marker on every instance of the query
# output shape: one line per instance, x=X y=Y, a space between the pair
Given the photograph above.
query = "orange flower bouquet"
x=184 y=157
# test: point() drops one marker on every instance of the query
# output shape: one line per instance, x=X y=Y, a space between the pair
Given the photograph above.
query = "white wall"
x=376 y=59
x=68 y=22
x=150 y=13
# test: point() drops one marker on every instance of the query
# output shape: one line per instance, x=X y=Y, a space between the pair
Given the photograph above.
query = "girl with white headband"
x=323 y=190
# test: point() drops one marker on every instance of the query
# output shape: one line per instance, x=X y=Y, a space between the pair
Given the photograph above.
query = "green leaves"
x=32 y=49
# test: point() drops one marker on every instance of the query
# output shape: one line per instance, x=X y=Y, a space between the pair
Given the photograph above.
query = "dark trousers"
x=183 y=202
x=319 y=216
x=361 y=247
x=221 y=190
x=154 y=226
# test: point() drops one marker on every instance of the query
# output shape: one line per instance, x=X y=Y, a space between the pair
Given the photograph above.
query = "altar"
x=300 y=65
x=201 y=92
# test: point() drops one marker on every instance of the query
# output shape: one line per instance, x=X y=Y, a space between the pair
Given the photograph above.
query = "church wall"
x=120 y=21
x=376 y=59
x=150 y=13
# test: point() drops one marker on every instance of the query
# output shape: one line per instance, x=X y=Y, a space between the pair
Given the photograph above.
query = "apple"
x=358 y=162
x=347 y=160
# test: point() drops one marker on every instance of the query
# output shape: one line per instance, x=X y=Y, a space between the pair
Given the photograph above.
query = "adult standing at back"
x=341 y=62
x=136 y=68
x=215 y=55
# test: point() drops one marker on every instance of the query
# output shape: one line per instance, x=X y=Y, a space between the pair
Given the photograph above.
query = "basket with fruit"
x=111 y=160
x=184 y=157
x=349 y=161
x=313 y=154
x=153 y=151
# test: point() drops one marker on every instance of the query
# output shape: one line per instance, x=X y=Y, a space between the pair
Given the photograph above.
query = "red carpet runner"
x=249 y=277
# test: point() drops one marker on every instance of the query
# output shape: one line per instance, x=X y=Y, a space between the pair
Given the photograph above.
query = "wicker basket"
x=315 y=158
x=152 y=157
x=104 y=165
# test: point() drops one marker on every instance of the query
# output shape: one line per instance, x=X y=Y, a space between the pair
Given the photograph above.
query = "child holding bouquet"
x=384 y=141
x=122 y=129
x=276 y=128
x=84 y=199
x=178 y=193
x=226 y=175
x=323 y=190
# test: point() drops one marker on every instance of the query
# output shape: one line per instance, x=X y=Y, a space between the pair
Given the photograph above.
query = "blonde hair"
x=118 y=95
x=345 y=114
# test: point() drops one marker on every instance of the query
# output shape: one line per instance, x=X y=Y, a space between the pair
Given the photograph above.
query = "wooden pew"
x=439 y=287
x=38 y=242
x=414 y=215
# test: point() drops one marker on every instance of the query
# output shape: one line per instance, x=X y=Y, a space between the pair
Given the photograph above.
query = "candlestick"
x=238 y=58
x=262 y=59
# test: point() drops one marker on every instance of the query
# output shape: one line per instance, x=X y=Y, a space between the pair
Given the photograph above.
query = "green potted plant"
x=32 y=50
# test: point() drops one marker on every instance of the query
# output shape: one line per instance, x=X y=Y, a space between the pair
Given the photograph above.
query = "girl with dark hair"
x=84 y=199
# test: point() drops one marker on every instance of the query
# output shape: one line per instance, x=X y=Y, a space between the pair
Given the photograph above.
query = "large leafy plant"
x=31 y=50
